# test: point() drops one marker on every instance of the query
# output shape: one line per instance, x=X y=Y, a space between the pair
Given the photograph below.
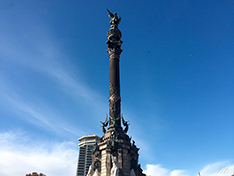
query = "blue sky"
x=176 y=82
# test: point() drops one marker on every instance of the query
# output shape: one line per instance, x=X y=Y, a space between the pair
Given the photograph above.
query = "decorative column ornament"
x=114 y=50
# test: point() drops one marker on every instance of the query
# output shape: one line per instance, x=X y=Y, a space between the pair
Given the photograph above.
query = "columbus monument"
x=116 y=153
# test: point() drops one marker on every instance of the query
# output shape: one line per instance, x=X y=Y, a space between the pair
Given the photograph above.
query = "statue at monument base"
x=115 y=167
x=132 y=173
x=96 y=173
x=90 y=171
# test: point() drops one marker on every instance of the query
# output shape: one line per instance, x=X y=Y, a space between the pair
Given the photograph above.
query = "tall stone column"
x=115 y=144
x=114 y=50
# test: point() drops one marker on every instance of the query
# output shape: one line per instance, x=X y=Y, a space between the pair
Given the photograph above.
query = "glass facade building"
x=86 y=144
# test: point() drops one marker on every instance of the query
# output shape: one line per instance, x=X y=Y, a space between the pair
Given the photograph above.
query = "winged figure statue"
x=114 y=18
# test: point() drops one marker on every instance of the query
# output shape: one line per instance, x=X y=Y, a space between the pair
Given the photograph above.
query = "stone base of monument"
x=116 y=147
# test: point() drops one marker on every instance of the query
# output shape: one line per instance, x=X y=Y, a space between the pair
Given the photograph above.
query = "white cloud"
x=19 y=156
x=178 y=173
x=218 y=169
x=153 y=170
x=214 y=169
x=158 y=170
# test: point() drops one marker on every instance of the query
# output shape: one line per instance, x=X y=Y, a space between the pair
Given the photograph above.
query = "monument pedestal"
x=115 y=145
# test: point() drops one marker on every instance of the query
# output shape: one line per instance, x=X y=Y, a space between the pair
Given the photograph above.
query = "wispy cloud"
x=44 y=56
x=215 y=169
x=35 y=113
x=18 y=150
x=40 y=53
x=78 y=90
x=158 y=170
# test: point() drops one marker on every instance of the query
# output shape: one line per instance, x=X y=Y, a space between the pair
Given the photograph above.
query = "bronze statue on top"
x=114 y=18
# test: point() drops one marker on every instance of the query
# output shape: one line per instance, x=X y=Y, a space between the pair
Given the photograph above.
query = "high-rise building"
x=86 y=145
